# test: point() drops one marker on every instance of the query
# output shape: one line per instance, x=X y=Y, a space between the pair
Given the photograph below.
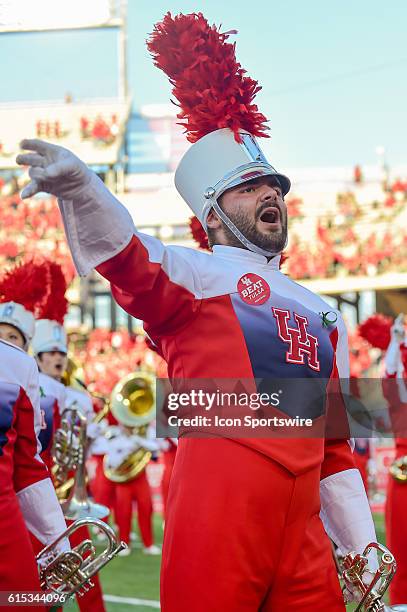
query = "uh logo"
x=301 y=344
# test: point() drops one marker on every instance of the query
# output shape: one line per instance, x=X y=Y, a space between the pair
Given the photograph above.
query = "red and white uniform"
x=117 y=448
x=271 y=549
x=52 y=404
x=27 y=497
x=396 y=499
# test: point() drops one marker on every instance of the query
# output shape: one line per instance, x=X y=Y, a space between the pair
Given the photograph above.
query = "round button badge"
x=253 y=289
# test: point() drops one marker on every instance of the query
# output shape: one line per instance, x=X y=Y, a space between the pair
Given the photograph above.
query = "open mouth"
x=270 y=215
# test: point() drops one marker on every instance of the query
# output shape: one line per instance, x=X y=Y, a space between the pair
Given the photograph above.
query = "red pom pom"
x=376 y=331
x=26 y=284
x=207 y=80
x=56 y=305
x=198 y=233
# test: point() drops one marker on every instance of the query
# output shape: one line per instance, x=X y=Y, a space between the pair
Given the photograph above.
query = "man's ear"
x=213 y=221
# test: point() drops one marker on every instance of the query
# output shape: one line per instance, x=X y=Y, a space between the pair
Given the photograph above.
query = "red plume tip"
x=208 y=82
x=26 y=284
x=56 y=305
x=376 y=331
x=198 y=233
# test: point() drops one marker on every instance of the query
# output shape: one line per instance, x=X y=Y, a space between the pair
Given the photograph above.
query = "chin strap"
x=249 y=245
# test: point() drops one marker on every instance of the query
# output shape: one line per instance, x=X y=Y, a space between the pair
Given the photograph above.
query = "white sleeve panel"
x=342 y=350
x=41 y=510
x=345 y=511
x=97 y=226
x=32 y=389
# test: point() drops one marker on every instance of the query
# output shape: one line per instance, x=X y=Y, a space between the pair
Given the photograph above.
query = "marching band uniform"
x=169 y=451
x=27 y=497
x=120 y=445
x=396 y=500
x=243 y=527
x=52 y=403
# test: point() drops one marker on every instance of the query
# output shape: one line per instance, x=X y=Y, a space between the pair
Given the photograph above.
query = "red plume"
x=56 y=305
x=26 y=284
x=376 y=331
x=198 y=233
x=207 y=80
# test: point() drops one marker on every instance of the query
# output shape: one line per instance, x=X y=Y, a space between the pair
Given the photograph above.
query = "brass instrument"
x=69 y=573
x=74 y=375
x=133 y=405
x=398 y=469
x=77 y=505
x=354 y=565
x=65 y=452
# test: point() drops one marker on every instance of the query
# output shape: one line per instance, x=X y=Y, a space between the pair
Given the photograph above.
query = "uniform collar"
x=245 y=256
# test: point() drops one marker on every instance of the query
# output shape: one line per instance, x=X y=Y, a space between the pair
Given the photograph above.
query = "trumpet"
x=69 y=573
x=398 y=469
x=354 y=565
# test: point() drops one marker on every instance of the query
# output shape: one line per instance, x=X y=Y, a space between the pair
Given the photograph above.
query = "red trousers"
x=243 y=534
x=396 y=537
x=137 y=490
x=93 y=599
x=169 y=458
x=18 y=568
x=102 y=489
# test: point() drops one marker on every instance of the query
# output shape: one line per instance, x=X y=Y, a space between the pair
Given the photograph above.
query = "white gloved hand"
x=94 y=430
x=62 y=546
x=53 y=169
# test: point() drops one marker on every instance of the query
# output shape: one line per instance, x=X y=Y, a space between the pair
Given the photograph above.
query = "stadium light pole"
x=122 y=51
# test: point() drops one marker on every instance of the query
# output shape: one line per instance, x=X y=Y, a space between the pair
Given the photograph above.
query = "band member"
x=50 y=349
x=243 y=527
x=120 y=443
x=396 y=502
x=24 y=292
x=27 y=497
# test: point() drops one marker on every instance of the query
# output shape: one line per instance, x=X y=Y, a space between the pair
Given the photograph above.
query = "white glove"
x=94 y=430
x=62 y=546
x=53 y=169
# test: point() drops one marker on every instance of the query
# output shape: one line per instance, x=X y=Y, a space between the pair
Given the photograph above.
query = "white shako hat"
x=217 y=111
x=216 y=163
x=19 y=317
x=23 y=291
x=49 y=336
x=49 y=329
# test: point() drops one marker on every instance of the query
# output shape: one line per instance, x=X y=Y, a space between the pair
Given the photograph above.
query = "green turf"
x=138 y=575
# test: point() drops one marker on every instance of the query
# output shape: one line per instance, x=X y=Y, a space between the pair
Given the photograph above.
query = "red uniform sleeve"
x=28 y=467
x=154 y=283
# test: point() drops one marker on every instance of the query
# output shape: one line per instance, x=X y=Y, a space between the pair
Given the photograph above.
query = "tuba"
x=73 y=456
x=354 y=566
x=398 y=469
x=69 y=573
x=133 y=405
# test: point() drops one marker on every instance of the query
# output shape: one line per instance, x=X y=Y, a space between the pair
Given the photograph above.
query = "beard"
x=274 y=242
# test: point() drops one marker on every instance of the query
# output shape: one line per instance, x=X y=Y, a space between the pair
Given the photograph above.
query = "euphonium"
x=65 y=452
x=355 y=565
x=398 y=469
x=70 y=572
x=133 y=405
x=77 y=505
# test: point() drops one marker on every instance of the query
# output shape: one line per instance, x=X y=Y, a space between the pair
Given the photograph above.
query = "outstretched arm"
x=150 y=281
